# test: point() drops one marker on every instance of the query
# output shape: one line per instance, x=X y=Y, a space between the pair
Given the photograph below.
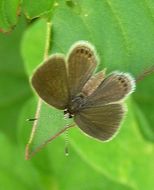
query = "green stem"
x=144 y=74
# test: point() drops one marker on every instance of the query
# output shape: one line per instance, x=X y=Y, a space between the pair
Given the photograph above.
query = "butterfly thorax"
x=75 y=104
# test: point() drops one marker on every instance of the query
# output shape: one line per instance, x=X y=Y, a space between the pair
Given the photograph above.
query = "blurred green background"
x=123 y=34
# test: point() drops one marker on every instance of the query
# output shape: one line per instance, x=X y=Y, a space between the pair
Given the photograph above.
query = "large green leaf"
x=122 y=32
x=9 y=10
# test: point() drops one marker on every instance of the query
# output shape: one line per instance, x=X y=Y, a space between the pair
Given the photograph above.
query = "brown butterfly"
x=95 y=101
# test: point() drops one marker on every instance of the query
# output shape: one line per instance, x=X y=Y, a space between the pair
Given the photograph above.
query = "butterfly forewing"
x=113 y=89
x=100 y=122
x=82 y=61
x=50 y=82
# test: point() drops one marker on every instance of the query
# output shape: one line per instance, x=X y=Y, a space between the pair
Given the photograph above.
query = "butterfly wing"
x=82 y=61
x=102 y=114
x=100 y=122
x=113 y=89
x=50 y=82
x=93 y=83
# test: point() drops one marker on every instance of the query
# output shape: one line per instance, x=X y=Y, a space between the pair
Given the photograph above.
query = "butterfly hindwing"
x=100 y=122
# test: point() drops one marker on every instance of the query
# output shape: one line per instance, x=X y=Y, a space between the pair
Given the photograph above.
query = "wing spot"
x=122 y=81
x=82 y=51
x=86 y=52
x=78 y=51
x=89 y=55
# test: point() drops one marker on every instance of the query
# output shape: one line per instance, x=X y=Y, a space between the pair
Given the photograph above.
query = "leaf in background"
x=33 y=45
x=15 y=172
x=9 y=11
x=14 y=87
x=145 y=107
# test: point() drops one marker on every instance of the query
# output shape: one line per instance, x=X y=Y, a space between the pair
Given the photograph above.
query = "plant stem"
x=147 y=72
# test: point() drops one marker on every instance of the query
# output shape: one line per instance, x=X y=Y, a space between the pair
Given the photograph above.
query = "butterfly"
x=95 y=101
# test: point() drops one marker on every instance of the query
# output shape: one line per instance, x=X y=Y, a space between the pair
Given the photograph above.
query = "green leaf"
x=9 y=10
x=14 y=87
x=37 y=8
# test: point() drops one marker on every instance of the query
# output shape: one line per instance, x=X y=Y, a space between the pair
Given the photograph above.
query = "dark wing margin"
x=50 y=81
x=114 y=88
x=100 y=122
x=82 y=61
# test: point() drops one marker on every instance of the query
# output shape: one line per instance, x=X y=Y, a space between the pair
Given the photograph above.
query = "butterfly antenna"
x=66 y=142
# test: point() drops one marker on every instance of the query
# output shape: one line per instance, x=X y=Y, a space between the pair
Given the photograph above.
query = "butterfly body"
x=95 y=101
x=76 y=104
